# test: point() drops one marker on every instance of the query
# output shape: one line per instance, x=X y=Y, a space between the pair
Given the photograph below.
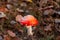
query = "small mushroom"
x=28 y=21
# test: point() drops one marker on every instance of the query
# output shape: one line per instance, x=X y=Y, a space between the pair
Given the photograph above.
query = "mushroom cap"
x=28 y=20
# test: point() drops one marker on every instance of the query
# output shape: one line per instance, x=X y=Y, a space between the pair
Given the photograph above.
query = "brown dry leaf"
x=57 y=20
x=29 y=1
x=6 y=37
x=11 y=33
x=16 y=38
x=48 y=12
x=48 y=28
x=2 y=15
x=58 y=1
x=2 y=9
x=58 y=38
x=42 y=2
x=18 y=17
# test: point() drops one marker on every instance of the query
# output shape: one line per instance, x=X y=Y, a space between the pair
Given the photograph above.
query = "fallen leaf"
x=6 y=37
x=13 y=22
x=23 y=4
x=1 y=38
x=29 y=0
x=11 y=33
x=2 y=9
x=48 y=28
x=58 y=38
x=9 y=6
x=20 y=10
x=57 y=20
x=18 y=18
x=2 y=15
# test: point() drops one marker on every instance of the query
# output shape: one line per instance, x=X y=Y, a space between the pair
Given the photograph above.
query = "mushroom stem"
x=29 y=30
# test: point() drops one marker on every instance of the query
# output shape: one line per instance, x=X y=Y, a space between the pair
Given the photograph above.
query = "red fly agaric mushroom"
x=28 y=21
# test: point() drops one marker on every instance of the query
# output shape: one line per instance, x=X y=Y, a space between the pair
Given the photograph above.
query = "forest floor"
x=47 y=12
